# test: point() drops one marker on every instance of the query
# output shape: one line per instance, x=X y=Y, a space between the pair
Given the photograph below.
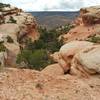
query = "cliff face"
x=90 y=15
x=25 y=21
x=16 y=25
x=86 y=25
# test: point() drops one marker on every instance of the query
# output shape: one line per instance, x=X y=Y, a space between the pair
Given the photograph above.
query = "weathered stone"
x=87 y=24
x=53 y=70
x=3 y=57
x=18 y=25
x=87 y=61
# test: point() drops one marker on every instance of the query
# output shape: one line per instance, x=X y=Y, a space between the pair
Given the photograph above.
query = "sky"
x=51 y=5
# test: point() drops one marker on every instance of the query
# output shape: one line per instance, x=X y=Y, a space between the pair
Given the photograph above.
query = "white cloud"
x=62 y=5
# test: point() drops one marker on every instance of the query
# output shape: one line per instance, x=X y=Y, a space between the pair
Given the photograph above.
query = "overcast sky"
x=52 y=5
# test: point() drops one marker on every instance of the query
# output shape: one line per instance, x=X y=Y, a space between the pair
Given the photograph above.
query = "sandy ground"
x=25 y=84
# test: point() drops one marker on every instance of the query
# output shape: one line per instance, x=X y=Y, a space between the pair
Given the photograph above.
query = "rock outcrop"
x=16 y=26
x=51 y=83
x=87 y=60
x=80 y=58
x=86 y=25
x=67 y=52
x=25 y=21
x=53 y=70
x=90 y=15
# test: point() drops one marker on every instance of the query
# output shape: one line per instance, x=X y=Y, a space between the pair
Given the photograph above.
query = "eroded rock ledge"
x=86 y=25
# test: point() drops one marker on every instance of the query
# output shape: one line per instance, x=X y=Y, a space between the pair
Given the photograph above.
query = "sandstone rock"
x=55 y=56
x=58 y=58
x=18 y=25
x=68 y=50
x=81 y=32
x=87 y=24
x=90 y=15
x=16 y=16
x=3 y=57
x=25 y=84
x=88 y=19
x=10 y=30
x=72 y=47
x=53 y=70
x=87 y=61
x=3 y=37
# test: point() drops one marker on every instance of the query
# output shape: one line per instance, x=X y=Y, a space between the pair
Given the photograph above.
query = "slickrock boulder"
x=80 y=58
x=87 y=61
x=67 y=52
x=61 y=62
x=71 y=48
x=53 y=70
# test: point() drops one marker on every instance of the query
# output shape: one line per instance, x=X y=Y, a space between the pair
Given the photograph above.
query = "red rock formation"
x=87 y=24
x=25 y=21
x=18 y=25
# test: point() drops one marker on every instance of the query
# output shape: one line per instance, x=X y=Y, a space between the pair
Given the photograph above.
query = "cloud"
x=52 y=5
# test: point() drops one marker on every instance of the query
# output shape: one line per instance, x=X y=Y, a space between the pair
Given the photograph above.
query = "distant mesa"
x=54 y=19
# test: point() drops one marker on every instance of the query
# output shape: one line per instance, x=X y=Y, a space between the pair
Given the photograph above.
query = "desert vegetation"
x=2 y=47
x=4 y=5
x=94 y=39
x=37 y=54
x=12 y=20
x=9 y=39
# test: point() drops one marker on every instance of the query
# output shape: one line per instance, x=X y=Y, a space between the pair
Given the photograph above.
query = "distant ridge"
x=53 y=19
x=69 y=15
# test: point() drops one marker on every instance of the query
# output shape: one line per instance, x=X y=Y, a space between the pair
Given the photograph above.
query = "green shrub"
x=12 y=20
x=35 y=54
x=37 y=44
x=64 y=29
x=4 y=5
x=2 y=47
x=37 y=59
x=49 y=40
x=9 y=39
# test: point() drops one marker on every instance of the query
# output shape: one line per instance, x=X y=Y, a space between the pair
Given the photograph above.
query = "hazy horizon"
x=51 y=5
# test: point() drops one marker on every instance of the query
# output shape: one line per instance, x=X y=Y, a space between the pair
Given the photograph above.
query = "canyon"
x=75 y=72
